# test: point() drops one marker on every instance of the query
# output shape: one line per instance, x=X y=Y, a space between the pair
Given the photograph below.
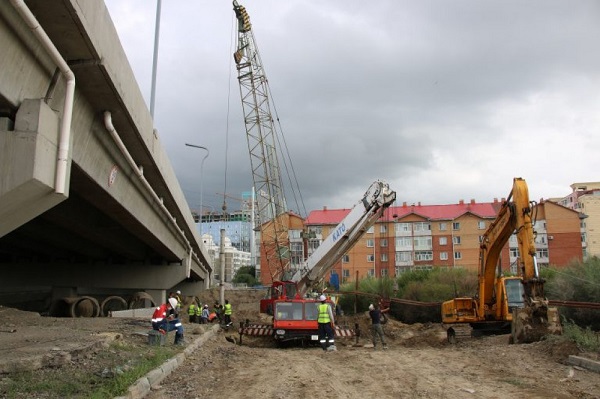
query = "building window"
x=346 y=258
x=480 y=239
x=384 y=257
x=384 y=272
x=403 y=228
x=421 y=226
x=370 y=243
x=456 y=240
x=313 y=245
x=443 y=226
x=457 y=255
x=403 y=256
x=542 y=253
x=370 y=231
x=514 y=252
x=404 y=242
x=315 y=229
x=423 y=255
x=423 y=242
x=443 y=240
x=383 y=242
x=345 y=273
x=443 y=255
x=383 y=228
x=370 y=258
x=456 y=226
x=371 y=272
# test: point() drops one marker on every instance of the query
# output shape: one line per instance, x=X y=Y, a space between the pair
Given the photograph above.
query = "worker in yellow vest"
x=198 y=313
x=227 y=311
x=192 y=312
x=326 y=325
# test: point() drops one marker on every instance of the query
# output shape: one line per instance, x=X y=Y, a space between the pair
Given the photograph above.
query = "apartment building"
x=585 y=199
x=412 y=237
x=232 y=258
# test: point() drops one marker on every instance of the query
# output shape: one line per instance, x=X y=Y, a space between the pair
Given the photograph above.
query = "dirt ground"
x=418 y=364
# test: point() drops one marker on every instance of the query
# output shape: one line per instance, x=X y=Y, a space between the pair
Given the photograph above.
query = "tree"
x=246 y=275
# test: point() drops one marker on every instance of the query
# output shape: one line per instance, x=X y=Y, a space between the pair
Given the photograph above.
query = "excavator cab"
x=514 y=293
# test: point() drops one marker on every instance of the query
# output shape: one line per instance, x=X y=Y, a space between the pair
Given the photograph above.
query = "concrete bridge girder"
x=107 y=216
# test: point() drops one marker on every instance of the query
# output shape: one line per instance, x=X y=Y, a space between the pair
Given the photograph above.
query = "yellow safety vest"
x=324 y=314
x=192 y=309
x=228 y=309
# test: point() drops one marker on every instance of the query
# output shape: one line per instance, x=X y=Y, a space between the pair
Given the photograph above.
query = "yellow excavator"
x=513 y=304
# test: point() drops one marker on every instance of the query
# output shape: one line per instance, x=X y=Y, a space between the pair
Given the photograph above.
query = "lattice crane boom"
x=261 y=134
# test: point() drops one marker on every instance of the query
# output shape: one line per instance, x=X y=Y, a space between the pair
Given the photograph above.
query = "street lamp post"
x=155 y=57
x=201 y=178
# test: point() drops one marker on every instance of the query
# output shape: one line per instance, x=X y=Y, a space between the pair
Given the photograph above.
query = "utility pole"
x=222 y=266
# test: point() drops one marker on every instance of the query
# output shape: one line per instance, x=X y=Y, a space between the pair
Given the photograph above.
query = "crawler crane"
x=294 y=315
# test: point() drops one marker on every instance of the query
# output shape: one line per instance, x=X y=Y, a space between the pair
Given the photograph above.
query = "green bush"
x=580 y=282
x=586 y=339
x=432 y=286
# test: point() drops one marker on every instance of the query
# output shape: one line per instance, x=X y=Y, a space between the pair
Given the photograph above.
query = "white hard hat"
x=205 y=305
x=371 y=307
x=322 y=298
x=178 y=292
x=173 y=302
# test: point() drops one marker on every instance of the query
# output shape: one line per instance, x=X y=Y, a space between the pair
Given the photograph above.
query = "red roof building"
x=410 y=237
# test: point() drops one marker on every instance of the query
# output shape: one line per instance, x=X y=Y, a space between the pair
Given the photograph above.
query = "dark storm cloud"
x=446 y=100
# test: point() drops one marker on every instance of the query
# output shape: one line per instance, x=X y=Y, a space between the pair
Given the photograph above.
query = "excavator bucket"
x=531 y=325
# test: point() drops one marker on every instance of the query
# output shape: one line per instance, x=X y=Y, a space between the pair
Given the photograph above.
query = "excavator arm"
x=514 y=216
x=498 y=301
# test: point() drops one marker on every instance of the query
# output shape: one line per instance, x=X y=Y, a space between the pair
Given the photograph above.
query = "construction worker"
x=326 y=325
x=227 y=311
x=218 y=310
x=165 y=320
x=192 y=309
x=376 y=329
x=205 y=314
x=179 y=302
x=199 y=313
x=177 y=297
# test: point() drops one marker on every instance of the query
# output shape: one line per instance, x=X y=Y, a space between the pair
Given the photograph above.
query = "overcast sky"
x=445 y=100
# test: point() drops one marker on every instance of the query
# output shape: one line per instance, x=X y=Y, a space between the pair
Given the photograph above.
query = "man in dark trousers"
x=227 y=312
x=164 y=319
x=376 y=329
x=326 y=325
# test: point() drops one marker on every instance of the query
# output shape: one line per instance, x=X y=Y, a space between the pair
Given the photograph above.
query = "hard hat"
x=371 y=307
x=205 y=305
x=178 y=292
x=173 y=302
x=322 y=298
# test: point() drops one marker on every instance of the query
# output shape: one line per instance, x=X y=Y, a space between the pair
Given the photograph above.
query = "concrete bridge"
x=89 y=202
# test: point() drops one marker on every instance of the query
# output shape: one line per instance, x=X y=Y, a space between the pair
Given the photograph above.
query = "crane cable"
x=285 y=155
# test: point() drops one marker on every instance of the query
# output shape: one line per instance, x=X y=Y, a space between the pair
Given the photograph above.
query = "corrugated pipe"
x=140 y=173
x=65 y=126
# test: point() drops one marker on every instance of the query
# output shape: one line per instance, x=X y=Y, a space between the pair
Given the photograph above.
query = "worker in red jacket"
x=164 y=319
